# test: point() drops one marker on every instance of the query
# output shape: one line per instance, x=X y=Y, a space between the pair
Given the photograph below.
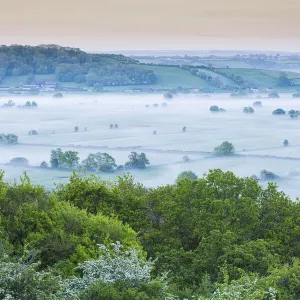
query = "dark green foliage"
x=257 y=104
x=58 y=95
x=168 y=95
x=187 y=175
x=44 y=165
x=19 y=162
x=67 y=159
x=216 y=108
x=73 y=65
x=274 y=95
x=248 y=110
x=121 y=291
x=225 y=148
x=216 y=233
x=137 y=161
x=267 y=175
x=279 y=111
x=102 y=162
x=294 y=113
x=285 y=143
x=8 y=139
x=29 y=104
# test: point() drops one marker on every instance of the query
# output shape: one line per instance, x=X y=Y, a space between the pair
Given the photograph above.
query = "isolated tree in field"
x=257 y=104
x=155 y=105
x=214 y=108
x=294 y=113
x=19 y=162
x=76 y=129
x=283 y=80
x=34 y=104
x=296 y=95
x=168 y=95
x=33 y=132
x=102 y=162
x=248 y=110
x=44 y=165
x=116 y=126
x=154 y=132
x=8 y=139
x=267 y=175
x=274 y=95
x=56 y=158
x=9 y=104
x=111 y=126
x=164 y=104
x=225 y=148
x=279 y=111
x=185 y=159
x=187 y=175
x=184 y=129
x=285 y=143
x=137 y=161
x=69 y=159
x=58 y=95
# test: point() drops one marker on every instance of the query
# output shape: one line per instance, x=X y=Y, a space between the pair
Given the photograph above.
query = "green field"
x=172 y=77
x=260 y=78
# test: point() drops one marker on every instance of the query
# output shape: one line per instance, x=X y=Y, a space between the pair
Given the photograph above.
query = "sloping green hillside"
x=261 y=78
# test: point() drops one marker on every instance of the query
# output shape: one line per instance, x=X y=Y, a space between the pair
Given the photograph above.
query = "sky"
x=153 y=24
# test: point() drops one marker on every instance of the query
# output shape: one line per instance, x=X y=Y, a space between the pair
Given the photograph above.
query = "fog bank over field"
x=258 y=138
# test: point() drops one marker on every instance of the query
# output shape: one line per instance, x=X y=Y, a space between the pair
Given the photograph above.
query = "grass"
x=172 y=77
x=260 y=78
x=214 y=75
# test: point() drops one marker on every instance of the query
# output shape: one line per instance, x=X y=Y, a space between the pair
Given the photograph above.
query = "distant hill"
x=71 y=65
x=52 y=67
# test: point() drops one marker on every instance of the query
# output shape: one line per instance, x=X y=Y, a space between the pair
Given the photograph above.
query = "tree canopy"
x=215 y=237
x=72 y=65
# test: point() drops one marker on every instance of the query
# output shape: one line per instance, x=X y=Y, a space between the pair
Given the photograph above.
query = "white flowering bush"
x=21 y=280
x=112 y=266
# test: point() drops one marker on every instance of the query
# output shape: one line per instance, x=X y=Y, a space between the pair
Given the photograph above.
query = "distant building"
x=47 y=85
x=28 y=87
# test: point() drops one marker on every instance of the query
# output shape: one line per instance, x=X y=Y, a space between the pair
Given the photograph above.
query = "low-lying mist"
x=258 y=138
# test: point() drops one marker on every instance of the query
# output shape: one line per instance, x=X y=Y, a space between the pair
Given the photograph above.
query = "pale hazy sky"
x=153 y=24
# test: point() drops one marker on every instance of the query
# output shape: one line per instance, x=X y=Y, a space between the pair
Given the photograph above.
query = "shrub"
x=214 y=108
x=279 y=111
x=274 y=95
x=257 y=104
x=267 y=175
x=248 y=110
x=19 y=162
x=187 y=175
x=225 y=148
x=58 y=95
